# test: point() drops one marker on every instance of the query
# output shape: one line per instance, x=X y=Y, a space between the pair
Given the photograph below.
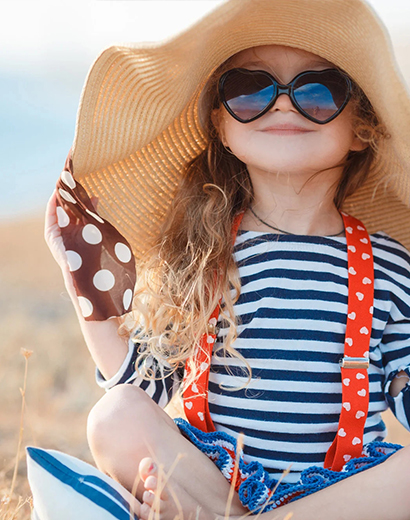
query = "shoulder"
x=390 y=256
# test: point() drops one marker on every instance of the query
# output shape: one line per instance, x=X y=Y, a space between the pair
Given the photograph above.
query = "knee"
x=119 y=418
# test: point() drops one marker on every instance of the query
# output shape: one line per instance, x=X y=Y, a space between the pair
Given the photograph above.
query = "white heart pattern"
x=360 y=376
x=210 y=339
x=349 y=341
x=194 y=388
x=203 y=366
x=361 y=392
x=360 y=414
x=346 y=381
x=352 y=270
x=366 y=354
x=364 y=240
x=364 y=330
x=201 y=416
x=360 y=296
x=352 y=249
x=361 y=228
x=366 y=281
x=341 y=432
x=347 y=457
x=352 y=315
x=212 y=321
x=349 y=230
x=346 y=406
x=365 y=256
x=188 y=405
x=356 y=440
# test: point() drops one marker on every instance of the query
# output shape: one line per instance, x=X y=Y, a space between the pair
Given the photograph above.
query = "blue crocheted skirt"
x=257 y=485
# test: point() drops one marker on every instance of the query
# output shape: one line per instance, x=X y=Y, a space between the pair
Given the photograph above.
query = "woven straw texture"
x=139 y=117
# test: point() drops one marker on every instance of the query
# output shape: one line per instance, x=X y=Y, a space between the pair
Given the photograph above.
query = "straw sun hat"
x=140 y=118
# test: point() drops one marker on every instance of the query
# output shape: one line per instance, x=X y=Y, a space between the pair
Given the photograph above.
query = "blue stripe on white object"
x=68 y=488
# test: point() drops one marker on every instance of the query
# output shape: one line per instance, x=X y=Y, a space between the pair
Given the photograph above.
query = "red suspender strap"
x=348 y=442
x=196 y=395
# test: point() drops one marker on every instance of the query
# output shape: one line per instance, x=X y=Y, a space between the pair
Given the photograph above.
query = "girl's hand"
x=52 y=234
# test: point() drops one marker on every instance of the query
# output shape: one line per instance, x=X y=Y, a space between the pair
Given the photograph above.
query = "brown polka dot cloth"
x=100 y=259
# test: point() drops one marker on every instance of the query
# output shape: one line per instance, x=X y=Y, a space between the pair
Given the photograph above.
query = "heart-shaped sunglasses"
x=320 y=96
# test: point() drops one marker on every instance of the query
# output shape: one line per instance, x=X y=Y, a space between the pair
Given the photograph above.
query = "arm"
x=398 y=383
x=107 y=348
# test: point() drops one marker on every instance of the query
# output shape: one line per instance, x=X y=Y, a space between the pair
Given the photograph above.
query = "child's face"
x=320 y=146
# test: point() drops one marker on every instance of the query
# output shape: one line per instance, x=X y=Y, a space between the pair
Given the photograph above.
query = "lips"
x=290 y=128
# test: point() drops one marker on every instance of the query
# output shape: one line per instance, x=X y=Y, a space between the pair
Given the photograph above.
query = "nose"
x=283 y=103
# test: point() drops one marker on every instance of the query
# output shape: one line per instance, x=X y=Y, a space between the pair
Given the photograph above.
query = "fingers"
x=50 y=216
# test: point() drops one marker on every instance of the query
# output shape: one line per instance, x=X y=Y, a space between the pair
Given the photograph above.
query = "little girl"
x=258 y=297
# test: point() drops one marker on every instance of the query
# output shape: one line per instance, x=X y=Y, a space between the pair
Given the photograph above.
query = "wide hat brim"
x=140 y=118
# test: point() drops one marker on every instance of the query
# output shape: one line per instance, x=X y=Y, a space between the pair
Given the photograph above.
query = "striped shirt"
x=293 y=312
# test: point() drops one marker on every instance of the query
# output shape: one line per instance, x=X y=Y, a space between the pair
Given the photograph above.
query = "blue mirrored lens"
x=321 y=99
x=247 y=93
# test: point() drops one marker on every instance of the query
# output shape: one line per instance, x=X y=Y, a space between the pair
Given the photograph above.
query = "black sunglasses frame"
x=284 y=89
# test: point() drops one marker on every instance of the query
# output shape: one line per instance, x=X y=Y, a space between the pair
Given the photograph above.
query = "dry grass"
x=37 y=316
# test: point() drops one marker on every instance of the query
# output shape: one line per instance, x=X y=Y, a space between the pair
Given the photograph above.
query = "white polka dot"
x=123 y=252
x=74 y=260
x=97 y=217
x=67 y=178
x=91 y=234
x=67 y=196
x=62 y=217
x=126 y=299
x=104 y=280
x=86 y=306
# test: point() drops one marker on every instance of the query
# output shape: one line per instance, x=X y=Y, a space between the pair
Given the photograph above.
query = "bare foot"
x=165 y=499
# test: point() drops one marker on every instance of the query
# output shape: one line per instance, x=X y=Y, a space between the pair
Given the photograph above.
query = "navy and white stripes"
x=293 y=308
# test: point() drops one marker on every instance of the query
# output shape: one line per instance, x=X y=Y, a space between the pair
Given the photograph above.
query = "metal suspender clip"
x=354 y=362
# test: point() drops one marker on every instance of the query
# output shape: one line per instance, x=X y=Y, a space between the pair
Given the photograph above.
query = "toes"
x=151 y=484
x=145 y=511
x=147 y=467
x=148 y=498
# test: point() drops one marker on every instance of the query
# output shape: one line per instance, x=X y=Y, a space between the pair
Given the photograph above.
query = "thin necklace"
x=286 y=232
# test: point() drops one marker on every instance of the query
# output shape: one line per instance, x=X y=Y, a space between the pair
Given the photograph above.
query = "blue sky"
x=47 y=48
